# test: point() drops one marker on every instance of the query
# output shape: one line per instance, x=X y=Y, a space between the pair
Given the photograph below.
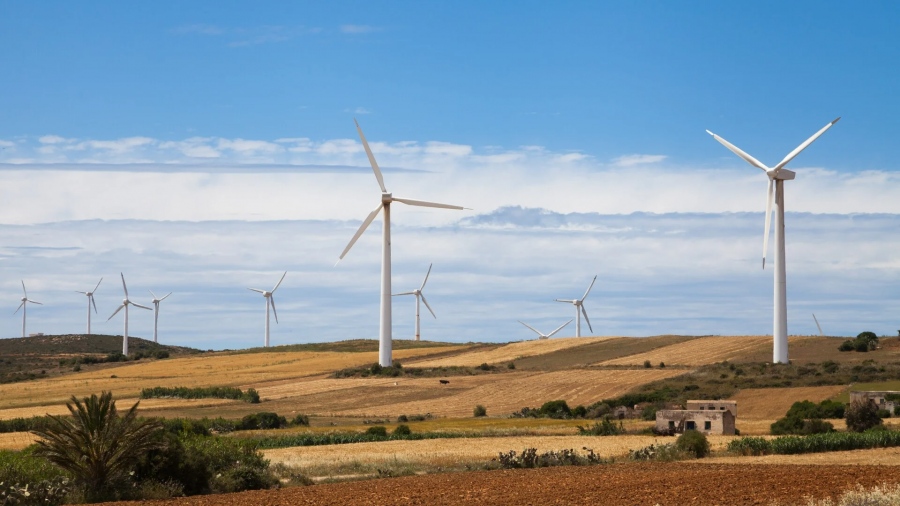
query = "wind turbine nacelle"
x=785 y=175
x=387 y=198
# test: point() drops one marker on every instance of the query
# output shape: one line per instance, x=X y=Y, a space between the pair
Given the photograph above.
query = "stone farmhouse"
x=708 y=417
x=884 y=399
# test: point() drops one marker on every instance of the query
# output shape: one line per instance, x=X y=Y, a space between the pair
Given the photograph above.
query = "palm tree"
x=97 y=446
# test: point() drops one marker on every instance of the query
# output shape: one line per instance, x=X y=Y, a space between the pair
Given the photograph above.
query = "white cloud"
x=54 y=139
x=632 y=160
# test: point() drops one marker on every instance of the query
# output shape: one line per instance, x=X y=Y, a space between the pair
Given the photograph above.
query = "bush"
x=693 y=443
x=750 y=446
x=479 y=411
x=530 y=458
x=605 y=427
x=377 y=430
x=648 y=413
x=300 y=420
x=883 y=413
x=402 y=430
x=647 y=364
x=555 y=409
x=579 y=411
x=261 y=421
x=662 y=365
x=862 y=415
x=485 y=366
x=511 y=365
x=805 y=417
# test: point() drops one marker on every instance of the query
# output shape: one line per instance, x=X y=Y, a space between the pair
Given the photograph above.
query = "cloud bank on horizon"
x=677 y=248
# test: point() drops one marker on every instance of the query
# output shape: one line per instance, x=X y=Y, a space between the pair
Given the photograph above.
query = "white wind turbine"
x=125 y=303
x=270 y=303
x=418 y=293
x=384 y=336
x=540 y=334
x=775 y=195
x=579 y=309
x=24 y=306
x=90 y=297
x=817 y=325
x=156 y=301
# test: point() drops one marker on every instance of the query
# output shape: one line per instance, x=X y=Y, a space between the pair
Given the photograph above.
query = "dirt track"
x=620 y=484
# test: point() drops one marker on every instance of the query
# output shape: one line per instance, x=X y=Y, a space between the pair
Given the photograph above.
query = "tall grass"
x=816 y=443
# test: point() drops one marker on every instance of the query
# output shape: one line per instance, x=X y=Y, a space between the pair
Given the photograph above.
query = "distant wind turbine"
x=817 y=325
x=579 y=309
x=24 y=306
x=125 y=303
x=540 y=334
x=156 y=301
x=270 y=303
x=419 y=295
x=384 y=337
x=775 y=196
x=90 y=297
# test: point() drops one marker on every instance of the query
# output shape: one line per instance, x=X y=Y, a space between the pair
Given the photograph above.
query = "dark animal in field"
x=444 y=382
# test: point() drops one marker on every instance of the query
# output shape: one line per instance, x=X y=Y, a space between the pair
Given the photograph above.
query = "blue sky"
x=168 y=121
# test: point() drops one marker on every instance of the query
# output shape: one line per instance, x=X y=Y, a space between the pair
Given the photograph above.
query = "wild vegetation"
x=805 y=417
x=251 y=395
x=396 y=370
x=815 y=443
x=864 y=342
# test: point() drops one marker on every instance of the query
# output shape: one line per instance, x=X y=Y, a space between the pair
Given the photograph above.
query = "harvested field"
x=773 y=403
x=240 y=370
x=877 y=457
x=700 y=351
x=508 y=352
x=450 y=452
x=15 y=440
x=600 y=351
x=499 y=393
x=630 y=484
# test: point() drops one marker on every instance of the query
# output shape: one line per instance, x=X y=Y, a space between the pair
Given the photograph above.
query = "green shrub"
x=555 y=409
x=883 y=413
x=233 y=464
x=862 y=415
x=485 y=366
x=648 y=413
x=262 y=421
x=377 y=430
x=647 y=364
x=750 y=446
x=402 y=430
x=23 y=467
x=604 y=427
x=251 y=395
x=693 y=443
x=579 y=411
x=479 y=411
x=511 y=365
x=300 y=420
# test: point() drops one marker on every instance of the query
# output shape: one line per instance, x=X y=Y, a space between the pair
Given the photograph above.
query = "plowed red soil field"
x=620 y=484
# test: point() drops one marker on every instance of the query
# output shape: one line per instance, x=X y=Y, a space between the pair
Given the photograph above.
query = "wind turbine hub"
x=784 y=175
x=387 y=198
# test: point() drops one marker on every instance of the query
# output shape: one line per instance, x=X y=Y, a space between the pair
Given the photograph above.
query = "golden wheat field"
x=509 y=352
x=697 y=352
x=877 y=456
x=448 y=452
x=15 y=440
x=772 y=403
x=499 y=393
x=240 y=370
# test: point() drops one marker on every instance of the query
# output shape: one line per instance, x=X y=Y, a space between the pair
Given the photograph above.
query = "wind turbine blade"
x=23 y=288
x=814 y=314
x=566 y=300
x=35 y=302
x=140 y=306
x=279 y=282
x=536 y=331
x=20 y=307
x=164 y=296
x=362 y=228
x=586 y=318
x=559 y=328
x=116 y=312
x=403 y=293
x=257 y=290
x=429 y=307
x=736 y=150
x=769 y=198
x=371 y=157
x=589 y=288
x=803 y=146
x=272 y=301
x=95 y=305
x=98 y=285
x=79 y=291
x=423 y=203
x=123 y=285
x=153 y=294
x=426 y=277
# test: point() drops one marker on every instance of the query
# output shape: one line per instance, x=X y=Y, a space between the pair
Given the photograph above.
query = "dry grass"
x=452 y=452
x=878 y=456
x=700 y=351
x=240 y=370
x=499 y=393
x=16 y=440
x=511 y=351
x=773 y=403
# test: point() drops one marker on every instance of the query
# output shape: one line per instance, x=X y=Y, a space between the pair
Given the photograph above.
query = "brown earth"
x=620 y=484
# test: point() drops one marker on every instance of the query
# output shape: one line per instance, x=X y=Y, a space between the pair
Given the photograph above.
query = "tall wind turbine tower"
x=384 y=336
x=125 y=303
x=579 y=309
x=156 y=301
x=775 y=195
x=419 y=295
x=90 y=297
x=270 y=303
x=24 y=306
